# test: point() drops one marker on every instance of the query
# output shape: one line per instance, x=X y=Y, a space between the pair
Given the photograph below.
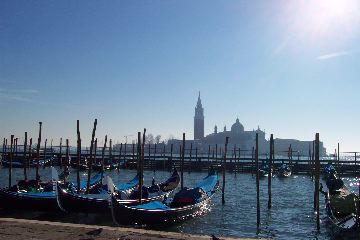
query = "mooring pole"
x=90 y=160
x=60 y=153
x=67 y=160
x=118 y=169
x=25 y=158
x=78 y=155
x=182 y=162
x=103 y=158
x=270 y=167
x=110 y=152
x=257 y=181
x=223 y=171
x=142 y=155
x=29 y=160
x=38 y=152
x=45 y=155
x=139 y=166
x=171 y=156
x=317 y=180
x=11 y=158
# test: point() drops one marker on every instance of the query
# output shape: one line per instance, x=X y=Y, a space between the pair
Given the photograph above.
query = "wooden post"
x=60 y=152
x=25 y=158
x=11 y=158
x=182 y=162
x=257 y=181
x=78 y=155
x=139 y=166
x=110 y=152
x=29 y=160
x=118 y=169
x=223 y=171
x=67 y=160
x=142 y=152
x=45 y=155
x=171 y=156
x=90 y=160
x=103 y=157
x=125 y=156
x=270 y=167
x=317 y=181
x=38 y=152
x=149 y=160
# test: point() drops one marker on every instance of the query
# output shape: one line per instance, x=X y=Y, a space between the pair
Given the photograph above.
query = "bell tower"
x=199 y=120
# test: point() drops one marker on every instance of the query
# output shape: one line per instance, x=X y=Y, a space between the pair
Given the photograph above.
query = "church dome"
x=237 y=127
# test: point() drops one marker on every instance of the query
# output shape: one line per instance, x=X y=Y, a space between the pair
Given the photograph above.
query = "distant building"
x=199 y=120
x=241 y=139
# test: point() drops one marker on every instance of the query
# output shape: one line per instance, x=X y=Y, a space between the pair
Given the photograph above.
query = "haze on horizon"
x=290 y=67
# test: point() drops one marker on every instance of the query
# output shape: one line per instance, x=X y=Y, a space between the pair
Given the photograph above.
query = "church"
x=239 y=138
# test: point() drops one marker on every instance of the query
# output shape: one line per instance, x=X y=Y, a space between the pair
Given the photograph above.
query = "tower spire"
x=199 y=120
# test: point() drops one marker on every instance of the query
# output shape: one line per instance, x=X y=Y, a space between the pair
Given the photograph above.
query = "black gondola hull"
x=18 y=201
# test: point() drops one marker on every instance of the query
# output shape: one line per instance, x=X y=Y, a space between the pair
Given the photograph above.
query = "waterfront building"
x=239 y=138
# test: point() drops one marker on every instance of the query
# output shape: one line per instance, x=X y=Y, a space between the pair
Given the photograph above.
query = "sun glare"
x=320 y=19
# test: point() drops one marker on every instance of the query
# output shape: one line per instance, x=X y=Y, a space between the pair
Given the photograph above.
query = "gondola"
x=329 y=171
x=35 y=195
x=341 y=206
x=284 y=171
x=97 y=201
x=107 y=167
x=187 y=203
x=19 y=163
x=264 y=171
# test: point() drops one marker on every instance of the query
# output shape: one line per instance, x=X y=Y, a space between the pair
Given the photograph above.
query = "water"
x=291 y=216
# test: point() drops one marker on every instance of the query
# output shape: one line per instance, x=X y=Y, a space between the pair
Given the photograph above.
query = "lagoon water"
x=291 y=217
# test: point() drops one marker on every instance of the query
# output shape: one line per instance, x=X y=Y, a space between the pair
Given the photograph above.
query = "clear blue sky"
x=291 y=67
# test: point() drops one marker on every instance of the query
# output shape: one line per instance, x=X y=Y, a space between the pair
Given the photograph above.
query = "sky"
x=290 y=67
